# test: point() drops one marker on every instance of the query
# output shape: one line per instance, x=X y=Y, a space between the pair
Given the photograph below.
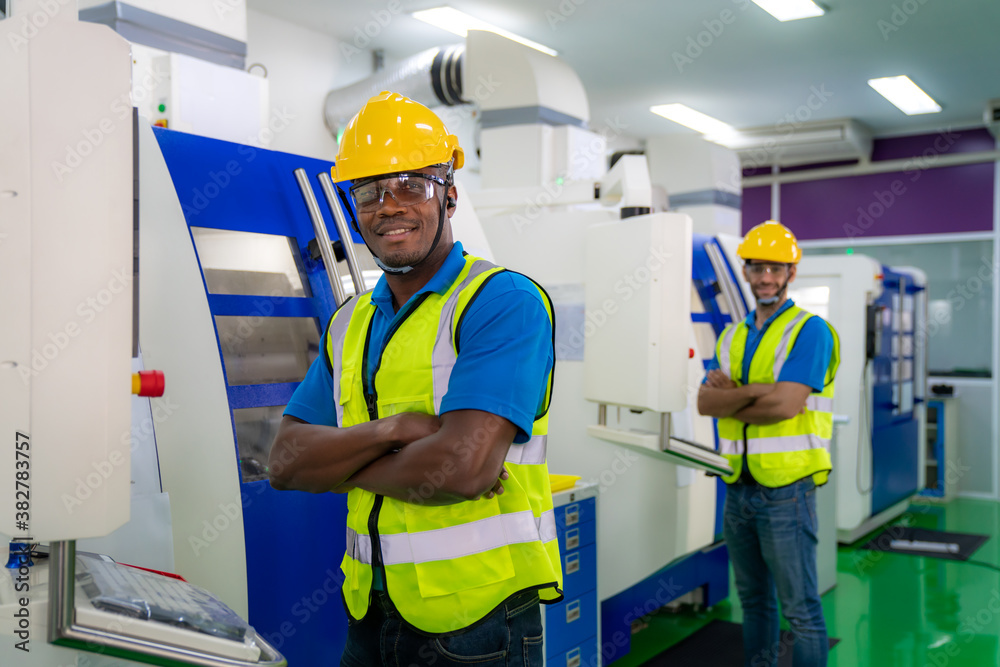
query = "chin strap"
x=394 y=270
x=773 y=299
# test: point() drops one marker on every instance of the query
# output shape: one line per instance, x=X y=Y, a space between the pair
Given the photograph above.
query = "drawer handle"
x=573 y=611
x=573 y=538
x=572 y=563
x=573 y=658
x=572 y=514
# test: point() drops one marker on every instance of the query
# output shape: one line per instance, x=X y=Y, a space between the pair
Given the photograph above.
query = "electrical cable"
x=982 y=564
x=864 y=428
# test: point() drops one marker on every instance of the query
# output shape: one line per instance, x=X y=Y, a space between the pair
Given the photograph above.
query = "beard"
x=401 y=259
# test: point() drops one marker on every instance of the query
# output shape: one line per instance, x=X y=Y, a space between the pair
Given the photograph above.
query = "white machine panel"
x=843 y=286
x=66 y=270
x=638 y=309
x=199 y=97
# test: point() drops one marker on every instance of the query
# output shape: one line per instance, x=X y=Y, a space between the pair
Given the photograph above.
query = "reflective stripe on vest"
x=338 y=329
x=819 y=403
x=783 y=444
x=724 y=346
x=529 y=453
x=444 y=356
x=781 y=355
x=455 y=541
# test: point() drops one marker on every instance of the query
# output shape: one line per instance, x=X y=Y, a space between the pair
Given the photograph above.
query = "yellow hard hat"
x=770 y=241
x=393 y=133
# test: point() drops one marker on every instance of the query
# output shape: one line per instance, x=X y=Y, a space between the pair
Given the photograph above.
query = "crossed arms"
x=409 y=456
x=755 y=403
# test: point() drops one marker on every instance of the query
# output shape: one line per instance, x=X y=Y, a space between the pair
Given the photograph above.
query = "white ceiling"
x=753 y=73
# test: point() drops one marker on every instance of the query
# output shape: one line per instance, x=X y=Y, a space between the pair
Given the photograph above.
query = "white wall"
x=303 y=66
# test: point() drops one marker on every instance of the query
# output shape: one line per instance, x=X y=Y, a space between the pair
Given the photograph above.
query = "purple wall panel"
x=960 y=141
x=756 y=207
x=933 y=201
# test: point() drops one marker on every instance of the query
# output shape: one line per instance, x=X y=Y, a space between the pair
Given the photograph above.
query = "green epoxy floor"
x=888 y=609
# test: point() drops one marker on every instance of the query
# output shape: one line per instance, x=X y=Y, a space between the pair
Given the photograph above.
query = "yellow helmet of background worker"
x=770 y=241
x=392 y=133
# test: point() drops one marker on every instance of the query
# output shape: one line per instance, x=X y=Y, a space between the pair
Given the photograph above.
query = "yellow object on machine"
x=562 y=482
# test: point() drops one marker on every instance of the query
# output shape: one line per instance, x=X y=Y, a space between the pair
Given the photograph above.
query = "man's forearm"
x=460 y=462
x=393 y=476
x=762 y=412
x=307 y=457
x=721 y=403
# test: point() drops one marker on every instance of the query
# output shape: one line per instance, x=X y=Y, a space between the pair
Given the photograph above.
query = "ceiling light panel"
x=790 y=10
x=696 y=120
x=461 y=23
x=905 y=94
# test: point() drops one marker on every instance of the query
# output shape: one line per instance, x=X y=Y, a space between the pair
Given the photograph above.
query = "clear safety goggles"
x=406 y=188
x=761 y=269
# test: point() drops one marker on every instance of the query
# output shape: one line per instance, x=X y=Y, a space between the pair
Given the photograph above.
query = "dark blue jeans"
x=771 y=537
x=511 y=636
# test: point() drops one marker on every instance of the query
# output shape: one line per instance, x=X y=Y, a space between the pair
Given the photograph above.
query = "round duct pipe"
x=432 y=77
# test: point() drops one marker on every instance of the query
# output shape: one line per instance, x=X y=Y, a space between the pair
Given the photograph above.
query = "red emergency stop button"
x=148 y=383
x=690 y=353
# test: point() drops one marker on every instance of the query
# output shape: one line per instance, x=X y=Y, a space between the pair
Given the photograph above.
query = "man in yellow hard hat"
x=428 y=407
x=771 y=389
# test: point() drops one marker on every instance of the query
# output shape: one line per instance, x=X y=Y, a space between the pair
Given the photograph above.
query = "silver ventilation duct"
x=433 y=78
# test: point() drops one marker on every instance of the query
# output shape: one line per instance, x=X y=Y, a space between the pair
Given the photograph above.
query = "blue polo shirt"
x=808 y=359
x=504 y=358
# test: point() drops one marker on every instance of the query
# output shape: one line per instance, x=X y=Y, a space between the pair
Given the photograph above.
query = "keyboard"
x=148 y=596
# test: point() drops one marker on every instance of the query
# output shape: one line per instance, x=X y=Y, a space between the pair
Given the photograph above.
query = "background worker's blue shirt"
x=808 y=359
x=505 y=351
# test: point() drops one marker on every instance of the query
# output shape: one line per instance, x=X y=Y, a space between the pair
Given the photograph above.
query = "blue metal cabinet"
x=571 y=626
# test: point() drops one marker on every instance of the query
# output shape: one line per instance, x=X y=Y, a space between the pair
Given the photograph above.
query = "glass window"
x=255 y=431
x=249 y=263
x=960 y=277
x=265 y=350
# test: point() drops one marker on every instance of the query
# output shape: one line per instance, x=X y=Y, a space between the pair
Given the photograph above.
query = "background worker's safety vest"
x=782 y=453
x=448 y=566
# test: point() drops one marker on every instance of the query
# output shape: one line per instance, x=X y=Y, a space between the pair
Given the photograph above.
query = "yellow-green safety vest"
x=783 y=453
x=446 y=567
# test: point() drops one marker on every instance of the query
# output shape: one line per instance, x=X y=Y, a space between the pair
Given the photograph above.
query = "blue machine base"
x=708 y=569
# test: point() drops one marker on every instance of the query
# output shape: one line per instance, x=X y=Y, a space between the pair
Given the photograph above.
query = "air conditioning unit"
x=786 y=144
x=991 y=117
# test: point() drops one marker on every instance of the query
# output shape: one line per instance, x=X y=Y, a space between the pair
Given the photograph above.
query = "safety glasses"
x=773 y=269
x=406 y=188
